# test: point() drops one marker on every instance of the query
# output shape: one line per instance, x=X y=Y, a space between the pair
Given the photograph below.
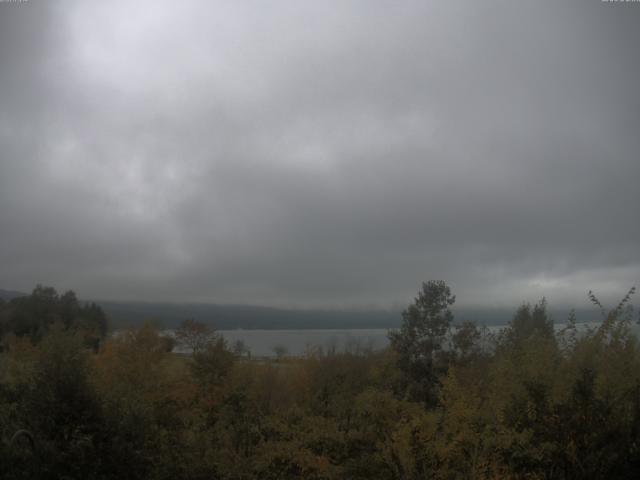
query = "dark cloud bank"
x=320 y=154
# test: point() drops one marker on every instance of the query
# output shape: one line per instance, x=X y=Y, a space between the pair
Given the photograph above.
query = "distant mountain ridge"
x=123 y=314
x=10 y=294
x=229 y=317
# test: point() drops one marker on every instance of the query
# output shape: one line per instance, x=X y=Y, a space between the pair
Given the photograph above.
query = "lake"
x=262 y=343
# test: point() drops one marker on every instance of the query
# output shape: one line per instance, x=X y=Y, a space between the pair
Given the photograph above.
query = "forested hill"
x=10 y=294
x=227 y=317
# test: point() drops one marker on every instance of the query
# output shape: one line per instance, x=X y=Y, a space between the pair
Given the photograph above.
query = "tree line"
x=443 y=401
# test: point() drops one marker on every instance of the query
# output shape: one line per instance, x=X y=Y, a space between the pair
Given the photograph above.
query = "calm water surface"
x=262 y=343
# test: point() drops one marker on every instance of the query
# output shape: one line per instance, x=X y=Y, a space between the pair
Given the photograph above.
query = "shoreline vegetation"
x=445 y=399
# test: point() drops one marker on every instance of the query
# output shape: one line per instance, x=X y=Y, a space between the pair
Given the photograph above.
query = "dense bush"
x=442 y=402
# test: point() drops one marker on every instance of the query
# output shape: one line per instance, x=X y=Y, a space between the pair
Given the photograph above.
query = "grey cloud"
x=330 y=154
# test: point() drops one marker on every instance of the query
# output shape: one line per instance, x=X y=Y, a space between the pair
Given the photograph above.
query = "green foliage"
x=466 y=340
x=56 y=405
x=528 y=322
x=33 y=315
x=212 y=362
x=194 y=335
x=534 y=405
x=419 y=342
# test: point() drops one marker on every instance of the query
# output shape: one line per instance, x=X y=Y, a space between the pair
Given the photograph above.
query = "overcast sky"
x=320 y=153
